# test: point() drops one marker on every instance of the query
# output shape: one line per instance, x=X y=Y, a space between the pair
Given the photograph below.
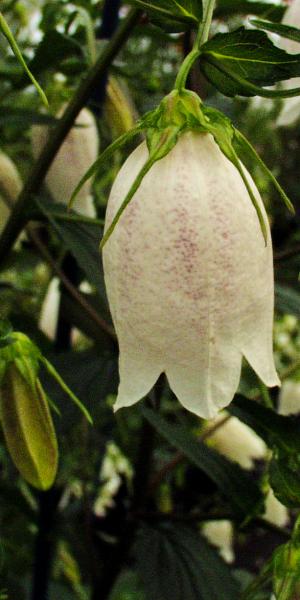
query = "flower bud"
x=28 y=428
x=220 y=534
x=77 y=153
x=189 y=277
x=275 y=512
x=289 y=398
x=10 y=187
x=118 y=108
x=236 y=441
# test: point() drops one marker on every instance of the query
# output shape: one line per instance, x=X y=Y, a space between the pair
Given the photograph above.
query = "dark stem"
x=19 y=215
x=116 y=557
x=45 y=543
x=110 y=20
x=70 y=270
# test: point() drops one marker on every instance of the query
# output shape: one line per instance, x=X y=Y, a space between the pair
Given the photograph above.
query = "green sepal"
x=15 y=48
x=159 y=144
x=223 y=133
x=27 y=357
x=245 y=145
x=104 y=156
x=285 y=31
x=28 y=428
x=53 y=372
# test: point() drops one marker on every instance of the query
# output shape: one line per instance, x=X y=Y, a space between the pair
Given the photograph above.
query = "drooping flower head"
x=188 y=257
x=189 y=277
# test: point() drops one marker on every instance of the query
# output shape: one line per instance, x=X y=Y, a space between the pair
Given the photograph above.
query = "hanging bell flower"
x=187 y=257
x=189 y=277
x=77 y=152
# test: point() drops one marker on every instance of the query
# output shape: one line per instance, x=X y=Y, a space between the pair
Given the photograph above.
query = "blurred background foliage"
x=146 y=505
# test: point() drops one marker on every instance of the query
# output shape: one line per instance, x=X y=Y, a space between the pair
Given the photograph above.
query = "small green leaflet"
x=15 y=48
x=173 y=13
x=241 y=62
x=286 y=31
x=271 y=9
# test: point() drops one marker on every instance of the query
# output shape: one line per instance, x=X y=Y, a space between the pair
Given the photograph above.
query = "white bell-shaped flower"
x=10 y=187
x=189 y=277
x=75 y=156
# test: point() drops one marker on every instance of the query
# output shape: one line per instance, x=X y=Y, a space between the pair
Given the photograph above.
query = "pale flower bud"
x=50 y=307
x=77 y=153
x=289 y=398
x=236 y=441
x=10 y=187
x=220 y=534
x=275 y=512
x=189 y=277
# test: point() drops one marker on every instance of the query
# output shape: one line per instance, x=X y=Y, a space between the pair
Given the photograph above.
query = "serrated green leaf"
x=245 y=496
x=285 y=480
x=28 y=428
x=241 y=62
x=176 y=563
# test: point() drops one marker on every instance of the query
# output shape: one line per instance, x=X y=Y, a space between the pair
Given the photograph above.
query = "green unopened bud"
x=119 y=110
x=28 y=428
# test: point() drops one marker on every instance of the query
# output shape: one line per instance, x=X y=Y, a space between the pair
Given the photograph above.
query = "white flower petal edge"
x=189 y=278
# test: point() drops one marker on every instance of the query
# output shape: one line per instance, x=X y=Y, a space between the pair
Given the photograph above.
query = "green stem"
x=17 y=52
x=180 y=82
x=19 y=215
x=203 y=32
x=201 y=38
